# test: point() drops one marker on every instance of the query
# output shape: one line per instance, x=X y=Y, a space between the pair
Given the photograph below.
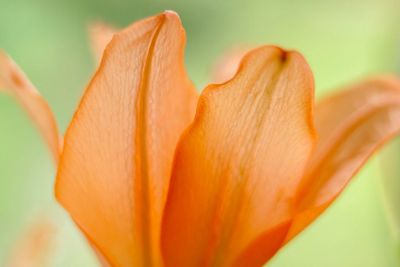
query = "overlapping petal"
x=14 y=81
x=237 y=168
x=100 y=34
x=227 y=65
x=351 y=126
x=114 y=171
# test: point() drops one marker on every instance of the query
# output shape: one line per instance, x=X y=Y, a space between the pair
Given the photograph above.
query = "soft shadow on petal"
x=114 y=171
x=237 y=167
x=352 y=125
x=14 y=81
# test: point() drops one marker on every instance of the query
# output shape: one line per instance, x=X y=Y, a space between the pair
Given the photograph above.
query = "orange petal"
x=352 y=125
x=13 y=80
x=114 y=171
x=237 y=167
x=226 y=67
x=100 y=34
x=34 y=249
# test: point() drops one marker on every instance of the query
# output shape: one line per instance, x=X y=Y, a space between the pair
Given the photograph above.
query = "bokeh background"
x=343 y=40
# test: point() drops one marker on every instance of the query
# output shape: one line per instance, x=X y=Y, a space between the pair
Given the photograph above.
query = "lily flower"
x=155 y=175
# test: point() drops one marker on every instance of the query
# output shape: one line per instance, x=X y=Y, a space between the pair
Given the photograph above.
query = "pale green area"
x=390 y=168
x=342 y=40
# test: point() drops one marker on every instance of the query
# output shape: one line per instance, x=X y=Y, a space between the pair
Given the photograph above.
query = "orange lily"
x=151 y=181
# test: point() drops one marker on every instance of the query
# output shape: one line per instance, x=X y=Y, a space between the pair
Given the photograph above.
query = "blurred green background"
x=342 y=40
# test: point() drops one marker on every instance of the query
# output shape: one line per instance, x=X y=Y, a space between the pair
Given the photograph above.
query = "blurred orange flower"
x=35 y=247
x=151 y=180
